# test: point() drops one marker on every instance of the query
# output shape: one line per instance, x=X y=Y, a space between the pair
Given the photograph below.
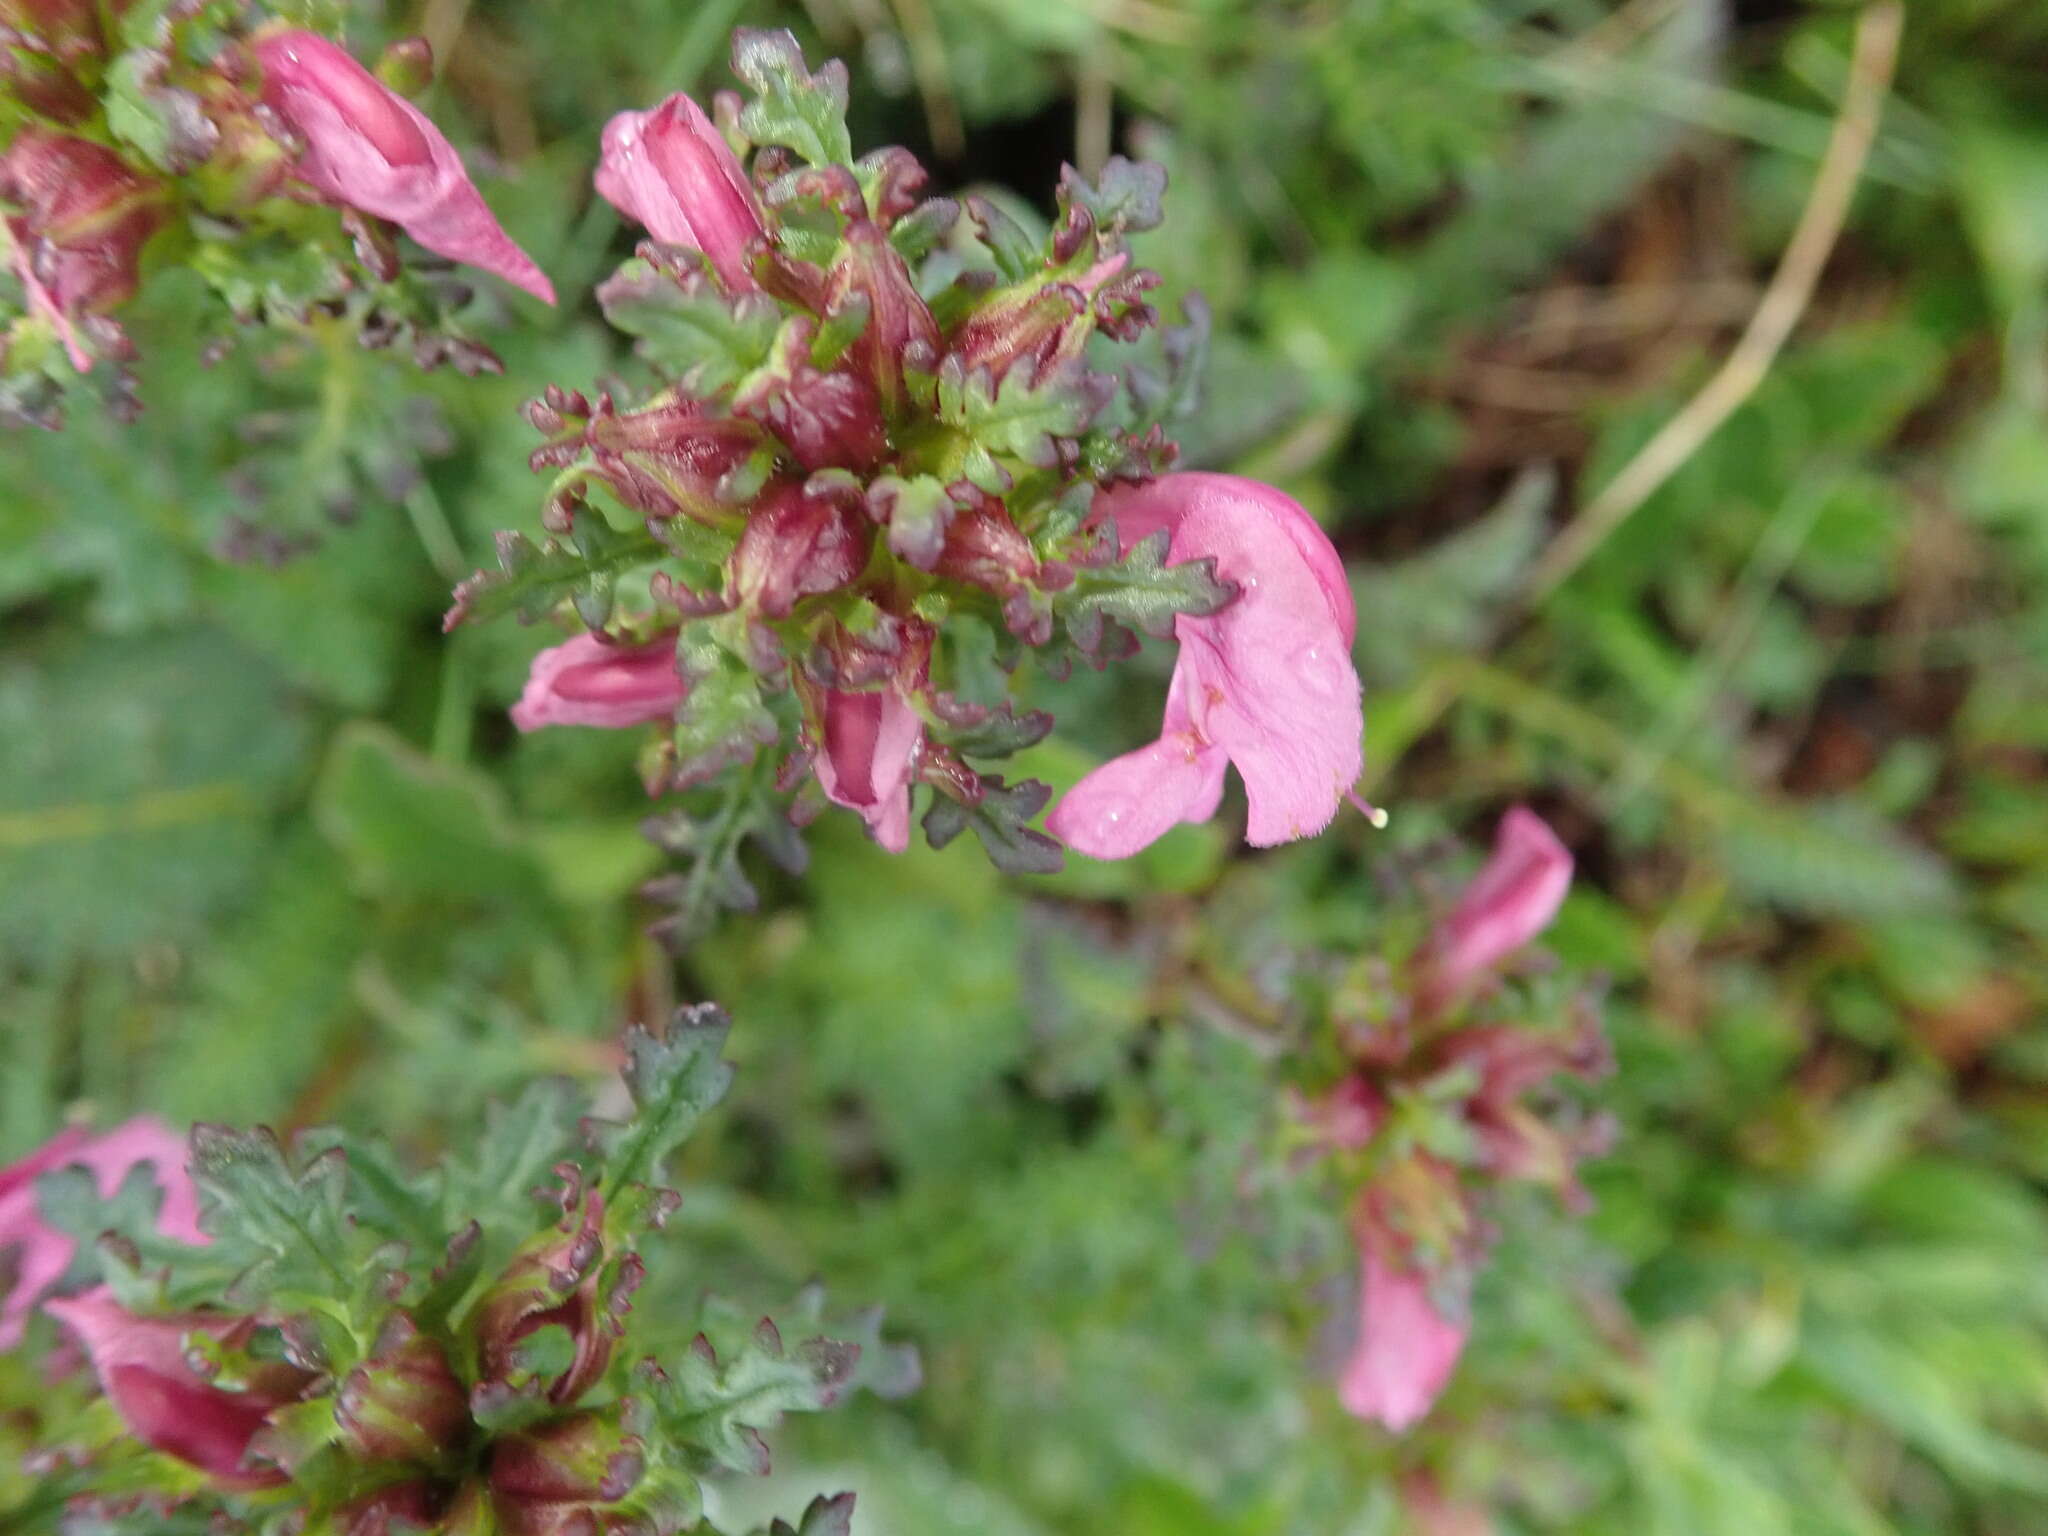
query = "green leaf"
x=687 y=326
x=532 y=580
x=290 y=1225
x=673 y=1079
x=1021 y=415
x=801 y=111
x=1002 y=820
x=718 y=1407
x=1140 y=591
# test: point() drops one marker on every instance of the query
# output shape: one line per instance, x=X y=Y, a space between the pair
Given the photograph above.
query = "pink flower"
x=164 y=1403
x=670 y=169
x=867 y=757
x=1265 y=685
x=591 y=681
x=45 y=1253
x=84 y=220
x=1507 y=904
x=1406 y=1348
x=370 y=149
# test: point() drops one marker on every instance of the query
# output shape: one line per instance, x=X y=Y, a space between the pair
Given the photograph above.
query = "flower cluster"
x=1434 y=1106
x=137 y=135
x=881 y=467
x=278 y=1358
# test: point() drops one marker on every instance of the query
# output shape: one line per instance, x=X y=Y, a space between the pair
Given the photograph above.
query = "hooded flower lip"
x=670 y=169
x=591 y=681
x=142 y=1366
x=1265 y=685
x=45 y=1253
x=370 y=149
x=868 y=757
x=1406 y=1349
x=1511 y=900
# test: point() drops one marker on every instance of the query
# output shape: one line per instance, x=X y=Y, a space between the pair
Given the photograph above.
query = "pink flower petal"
x=867 y=759
x=671 y=170
x=589 y=681
x=369 y=148
x=1511 y=900
x=44 y=1254
x=1268 y=681
x=1132 y=801
x=141 y=1364
x=1406 y=1349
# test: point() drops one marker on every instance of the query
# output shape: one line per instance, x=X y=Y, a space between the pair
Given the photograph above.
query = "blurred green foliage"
x=271 y=851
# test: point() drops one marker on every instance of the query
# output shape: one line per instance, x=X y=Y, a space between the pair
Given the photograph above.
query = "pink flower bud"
x=1040 y=323
x=45 y=1253
x=404 y=1403
x=85 y=217
x=587 y=1458
x=562 y=1279
x=867 y=757
x=142 y=1366
x=1510 y=901
x=369 y=149
x=1406 y=1348
x=671 y=170
x=592 y=681
x=794 y=547
x=1265 y=685
x=900 y=326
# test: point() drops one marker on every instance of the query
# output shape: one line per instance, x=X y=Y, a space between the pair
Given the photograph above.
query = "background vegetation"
x=271 y=852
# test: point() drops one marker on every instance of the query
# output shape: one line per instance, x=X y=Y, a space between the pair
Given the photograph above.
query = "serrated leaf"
x=1127 y=195
x=1021 y=414
x=291 y=1223
x=718 y=1407
x=1140 y=591
x=1001 y=819
x=673 y=1078
x=532 y=580
x=803 y=112
x=825 y=1516
x=687 y=326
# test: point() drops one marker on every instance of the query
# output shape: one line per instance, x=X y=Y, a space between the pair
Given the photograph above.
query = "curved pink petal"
x=164 y=1403
x=43 y=1253
x=589 y=681
x=1406 y=1349
x=670 y=169
x=1132 y=801
x=867 y=758
x=1268 y=681
x=369 y=148
x=1511 y=900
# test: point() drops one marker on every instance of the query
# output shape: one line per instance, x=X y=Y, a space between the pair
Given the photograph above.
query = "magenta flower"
x=867 y=758
x=44 y=1254
x=1406 y=1348
x=1265 y=685
x=142 y=1367
x=592 y=681
x=1510 y=901
x=671 y=170
x=370 y=149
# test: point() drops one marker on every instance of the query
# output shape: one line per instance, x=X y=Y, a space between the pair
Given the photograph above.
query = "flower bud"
x=671 y=170
x=84 y=221
x=586 y=1458
x=364 y=147
x=592 y=681
x=868 y=747
x=166 y=1404
x=558 y=1280
x=900 y=327
x=404 y=1403
x=1042 y=323
x=796 y=545
x=669 y=460
x=825 y=420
